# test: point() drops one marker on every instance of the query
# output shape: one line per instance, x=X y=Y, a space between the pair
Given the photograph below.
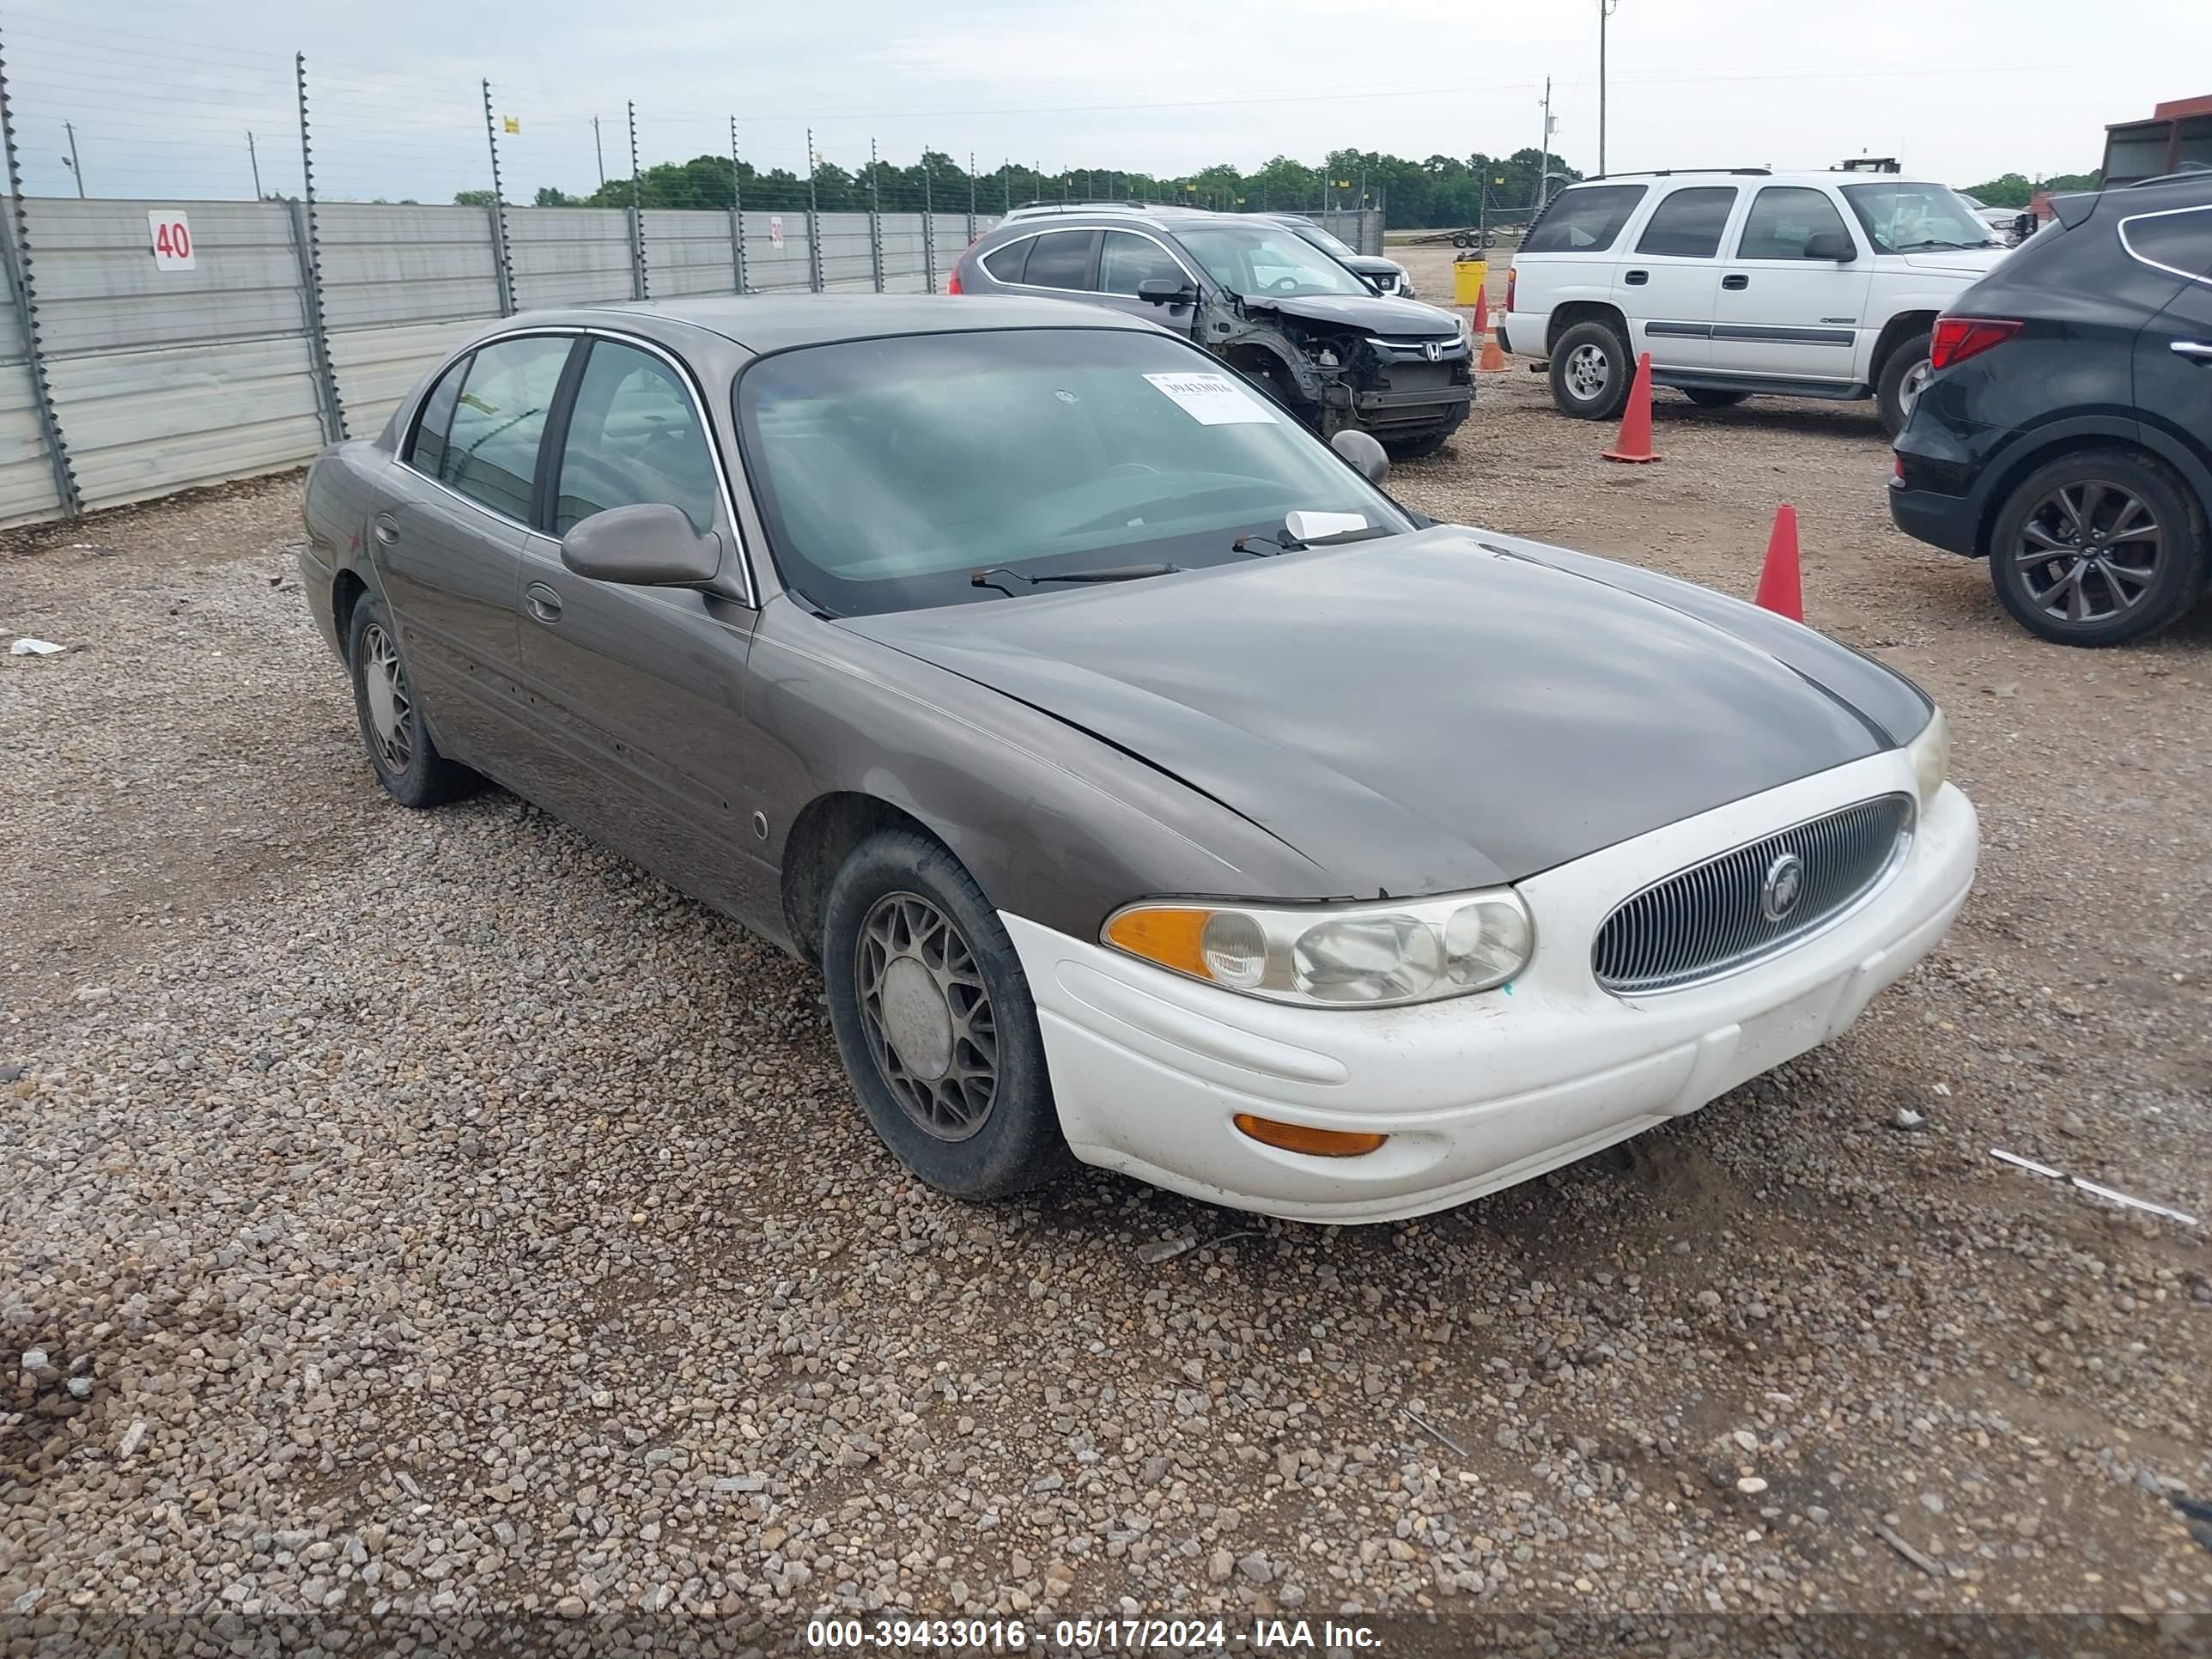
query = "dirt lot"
x=430 y=1211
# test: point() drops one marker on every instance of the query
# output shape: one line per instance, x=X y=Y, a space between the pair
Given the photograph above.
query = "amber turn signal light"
x=1315 y=1143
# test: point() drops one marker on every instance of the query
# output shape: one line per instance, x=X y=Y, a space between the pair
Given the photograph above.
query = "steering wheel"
x=1284 y=285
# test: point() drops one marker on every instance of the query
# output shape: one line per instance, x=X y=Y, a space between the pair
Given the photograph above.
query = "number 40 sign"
x=173 y=241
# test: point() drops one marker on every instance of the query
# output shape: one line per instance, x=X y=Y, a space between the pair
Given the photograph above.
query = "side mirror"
x=1165 y=291
x=1835 y=245
x=650 y=544
x=1372 y=460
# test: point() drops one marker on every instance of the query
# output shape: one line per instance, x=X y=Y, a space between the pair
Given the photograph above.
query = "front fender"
x=1053 y=823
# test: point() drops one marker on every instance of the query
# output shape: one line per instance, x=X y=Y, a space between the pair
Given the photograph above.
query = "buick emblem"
x=1784 y=886
x=1432 y=351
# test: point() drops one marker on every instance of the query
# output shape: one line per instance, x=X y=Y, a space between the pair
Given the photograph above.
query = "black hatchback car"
x=2065 y=434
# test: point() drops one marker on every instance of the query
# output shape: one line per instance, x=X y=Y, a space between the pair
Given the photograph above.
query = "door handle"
x=1736 y=282
x=386 y=528
x=545 y=603
x=2195 y=351
x=1637 y=278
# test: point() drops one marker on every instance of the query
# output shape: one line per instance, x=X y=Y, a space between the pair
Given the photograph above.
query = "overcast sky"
x=162 y=92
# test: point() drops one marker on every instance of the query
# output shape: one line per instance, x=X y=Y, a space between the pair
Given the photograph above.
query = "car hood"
x=1367 y=264
x=1441 y=710
x=1966 y=261
x=1405 y=319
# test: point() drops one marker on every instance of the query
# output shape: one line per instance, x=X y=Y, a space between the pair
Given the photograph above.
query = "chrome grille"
x=1710 y=918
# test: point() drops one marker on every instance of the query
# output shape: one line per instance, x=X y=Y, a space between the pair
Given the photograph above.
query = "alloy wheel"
x=384 y=682
x=1589 y=370
x=1908 y=388
x=927 y=1016
x=2088 y=551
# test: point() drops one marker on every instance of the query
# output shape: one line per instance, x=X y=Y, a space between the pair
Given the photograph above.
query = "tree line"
x=2016 y=190
x=1442 y=190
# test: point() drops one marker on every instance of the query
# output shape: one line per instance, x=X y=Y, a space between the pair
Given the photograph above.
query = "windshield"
x=890 y=470
x=1266 y=260
x=1909 y=218
x=1326 y=243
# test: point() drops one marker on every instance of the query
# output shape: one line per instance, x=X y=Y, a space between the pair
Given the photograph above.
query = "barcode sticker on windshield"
x=1213 y=399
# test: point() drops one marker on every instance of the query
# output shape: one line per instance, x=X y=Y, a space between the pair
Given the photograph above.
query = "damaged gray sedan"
x=1256 y=293
x=1151 y=789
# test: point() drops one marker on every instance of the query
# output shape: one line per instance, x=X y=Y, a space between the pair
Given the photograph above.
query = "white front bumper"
x=1149 y=1067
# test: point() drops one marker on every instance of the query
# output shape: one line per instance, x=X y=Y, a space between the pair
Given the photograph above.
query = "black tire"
x=1421 y=448
x=1585 y=348
x=407 y=763
x=1013 y=1143
x=1462 y=239
x=1709 y=397
x=2037 y=574
x=1907 y=360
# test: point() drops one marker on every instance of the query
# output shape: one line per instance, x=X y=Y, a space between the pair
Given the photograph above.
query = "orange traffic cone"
x=1779 y=590
x=1634 y=443
x=1493 y=358
x=1482 y=309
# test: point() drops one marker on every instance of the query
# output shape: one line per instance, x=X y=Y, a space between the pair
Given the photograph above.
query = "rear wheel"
x=1707 y=398
x=1590 y=372
x=1903 y=372
x=400 y=753
x=2099 y=548
x=935 y=1023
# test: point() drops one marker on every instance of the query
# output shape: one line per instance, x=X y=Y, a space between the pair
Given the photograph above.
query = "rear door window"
x=428 y=452
x=1783 y=218
x=1584 y=220
x=491 y=451
x=1061 y=259
x=1688 y=223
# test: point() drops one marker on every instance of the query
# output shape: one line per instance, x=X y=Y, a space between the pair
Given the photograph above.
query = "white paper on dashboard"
x=1212 y=399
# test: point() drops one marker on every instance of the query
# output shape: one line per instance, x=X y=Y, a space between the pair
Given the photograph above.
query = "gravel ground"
x=431 y=1212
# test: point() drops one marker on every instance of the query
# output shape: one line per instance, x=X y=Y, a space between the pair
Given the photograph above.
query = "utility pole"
x=253 y=160
x=1604 y=11
x=1544 y=151
x=600 y=154
x=76 y=170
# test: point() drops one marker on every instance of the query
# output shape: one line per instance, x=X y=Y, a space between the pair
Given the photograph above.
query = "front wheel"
x=1903 y=372
x=935 y=1023
x=1590 y=372
x=1421 y=448
x=2099 y=548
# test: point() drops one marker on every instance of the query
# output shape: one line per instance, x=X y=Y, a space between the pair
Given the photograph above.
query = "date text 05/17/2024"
x=1101 y=1635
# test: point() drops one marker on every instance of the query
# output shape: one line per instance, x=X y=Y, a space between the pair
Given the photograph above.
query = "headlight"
x=1336 y=956
x=1465 y=330
x=1932 y=758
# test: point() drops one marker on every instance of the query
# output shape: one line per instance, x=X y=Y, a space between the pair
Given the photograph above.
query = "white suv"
x=1790 y=285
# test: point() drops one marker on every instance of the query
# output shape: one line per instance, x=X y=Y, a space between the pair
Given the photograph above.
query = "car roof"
x=1748 y=176
x=763 y=323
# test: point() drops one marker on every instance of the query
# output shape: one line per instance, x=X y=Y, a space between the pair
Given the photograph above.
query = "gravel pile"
x=428 y=1214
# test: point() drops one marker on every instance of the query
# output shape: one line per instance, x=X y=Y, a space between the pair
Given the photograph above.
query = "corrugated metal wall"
x=166 y=380
x=27 y=473
x=163 y=380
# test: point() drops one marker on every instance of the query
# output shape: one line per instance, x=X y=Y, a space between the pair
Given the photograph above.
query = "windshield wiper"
x=1933 y=243
x=1117 y=572
x=1261 y=546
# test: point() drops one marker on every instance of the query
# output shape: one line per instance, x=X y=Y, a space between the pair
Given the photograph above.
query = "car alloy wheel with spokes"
x=385 y=683
x=2088 y=551
x=928 y=1014
x=1588 y=372
x=2099 y=548
x=935 y=1024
